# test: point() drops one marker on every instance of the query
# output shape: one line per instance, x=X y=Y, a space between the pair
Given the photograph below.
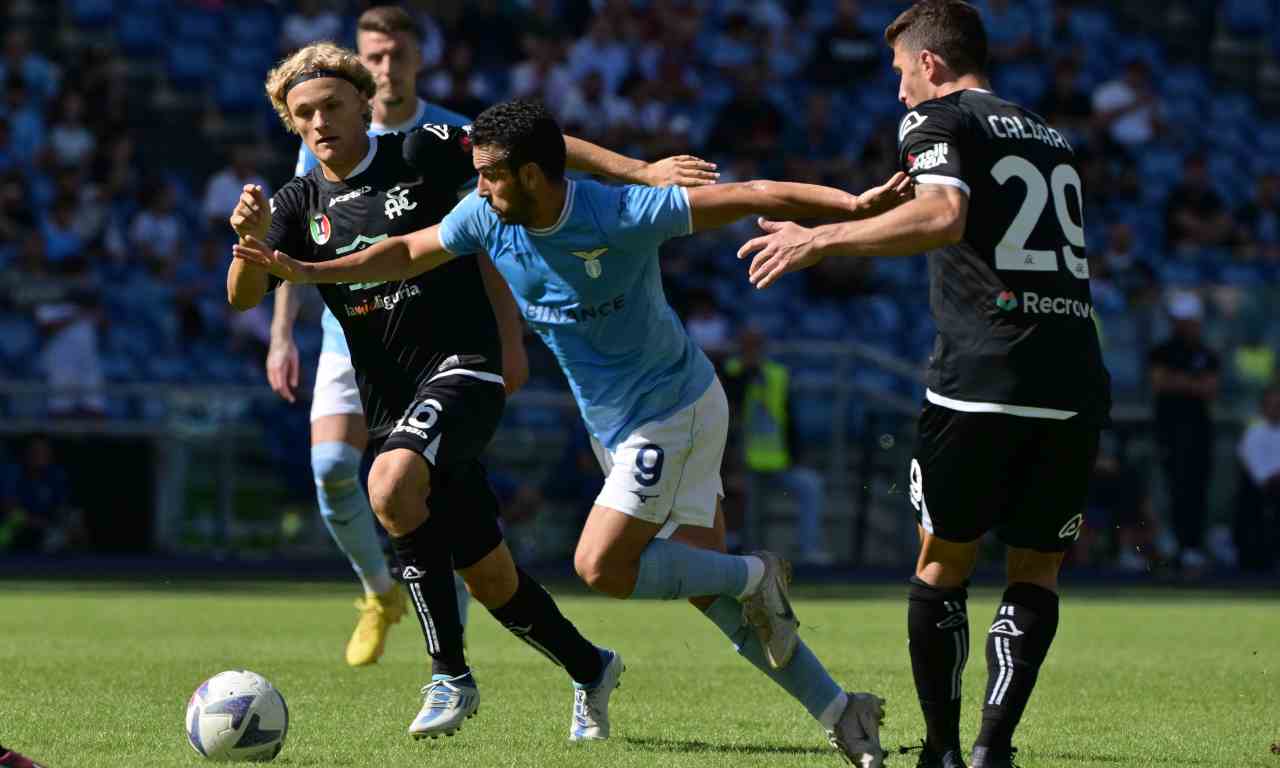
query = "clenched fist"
x=252 y=215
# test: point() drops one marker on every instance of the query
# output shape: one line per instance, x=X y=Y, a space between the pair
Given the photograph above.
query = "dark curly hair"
x=527 y=131
x=951 y=29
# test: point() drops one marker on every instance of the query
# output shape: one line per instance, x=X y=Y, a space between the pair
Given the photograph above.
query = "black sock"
x=427 y=572
x=938 y=640
x=1017 y=643
x=531 y=615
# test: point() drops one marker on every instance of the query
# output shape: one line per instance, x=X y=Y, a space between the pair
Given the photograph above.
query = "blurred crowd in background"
x=127 y=128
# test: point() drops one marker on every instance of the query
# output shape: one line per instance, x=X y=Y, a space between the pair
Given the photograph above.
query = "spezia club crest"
x=320 y=229
x=592 y=261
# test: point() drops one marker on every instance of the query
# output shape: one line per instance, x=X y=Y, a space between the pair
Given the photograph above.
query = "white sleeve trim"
x=949 y=181
x=1026 y=411
x=684 y=191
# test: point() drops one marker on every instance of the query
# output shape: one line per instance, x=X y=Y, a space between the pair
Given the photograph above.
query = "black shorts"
x=1025 y=478
x=449 y=424
x=450 y=421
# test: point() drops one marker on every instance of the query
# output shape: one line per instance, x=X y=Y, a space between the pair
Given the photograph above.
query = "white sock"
x=378 y=582
x=831 y=715
x=755 y=576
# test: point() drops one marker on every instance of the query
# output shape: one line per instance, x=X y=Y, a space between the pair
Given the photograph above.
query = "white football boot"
x=857 y=732
x=445 y=704
x=768 y=611
x=591 y=705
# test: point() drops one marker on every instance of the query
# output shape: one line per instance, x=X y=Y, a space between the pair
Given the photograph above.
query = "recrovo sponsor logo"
x=1035 y=304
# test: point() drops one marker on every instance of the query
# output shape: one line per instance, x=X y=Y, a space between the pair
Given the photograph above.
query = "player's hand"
x=786 y=247
x=888 y=195
x=252 y=214
x=282 y=367
x=679 y=171
x=515 y=367
x=278 y=263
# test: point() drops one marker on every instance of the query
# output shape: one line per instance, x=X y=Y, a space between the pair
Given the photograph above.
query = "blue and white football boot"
x=446 y=702
x=591 y=703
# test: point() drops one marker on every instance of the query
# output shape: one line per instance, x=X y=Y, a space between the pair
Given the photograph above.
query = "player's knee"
x=398 y=493
x=336 y=468
x=594 y=568
x=1031 y=567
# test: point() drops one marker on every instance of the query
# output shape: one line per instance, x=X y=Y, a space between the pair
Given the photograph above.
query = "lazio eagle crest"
x=592 y=261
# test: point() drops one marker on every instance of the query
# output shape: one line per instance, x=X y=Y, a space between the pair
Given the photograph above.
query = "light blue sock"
x=671 y=571
x=804 y=678
x=346 y=513
x=464 y=598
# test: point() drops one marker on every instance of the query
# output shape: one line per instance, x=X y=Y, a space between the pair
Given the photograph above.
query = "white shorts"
x=668 y=472
x=335 y=392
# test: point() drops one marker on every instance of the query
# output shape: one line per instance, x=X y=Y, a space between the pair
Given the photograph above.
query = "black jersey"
x=1011 y=300
x=400 y=333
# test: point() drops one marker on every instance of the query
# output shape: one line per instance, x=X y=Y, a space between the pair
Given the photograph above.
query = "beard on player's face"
x=516 y=203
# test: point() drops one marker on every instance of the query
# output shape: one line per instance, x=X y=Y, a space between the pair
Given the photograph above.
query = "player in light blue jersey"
x=388 y=42
x=582 y=261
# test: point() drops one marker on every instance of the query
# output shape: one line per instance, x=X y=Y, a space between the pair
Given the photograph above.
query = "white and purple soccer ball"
x=237 y=715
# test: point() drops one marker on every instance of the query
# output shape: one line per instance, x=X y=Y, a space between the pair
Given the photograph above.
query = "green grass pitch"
x=100 y=677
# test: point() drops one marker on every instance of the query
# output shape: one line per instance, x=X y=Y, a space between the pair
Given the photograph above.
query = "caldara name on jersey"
x=930 y=158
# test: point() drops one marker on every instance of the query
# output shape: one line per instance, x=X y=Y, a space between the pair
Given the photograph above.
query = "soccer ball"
x=237 y=715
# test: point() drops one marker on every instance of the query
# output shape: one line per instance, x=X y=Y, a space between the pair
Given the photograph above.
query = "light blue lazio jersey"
x=333 y=339
x=591 y=287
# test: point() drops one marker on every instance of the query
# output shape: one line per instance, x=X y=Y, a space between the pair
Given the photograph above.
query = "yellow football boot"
x=377 y=614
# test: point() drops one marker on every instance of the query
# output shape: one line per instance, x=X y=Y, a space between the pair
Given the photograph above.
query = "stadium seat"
x=91 y=14
x=773 y=323
x=1231 y=108
x=1160 y=165
x=117 y=367
x=191 y=63
x=1184 y=81
x=822 y=320
x=144 y=6
x=254 y=24
x=192 y=24
x=1023 y=83
x=19 y=340
x=1248 y=18
x=876 y=319
x=1127 y=373
x=140 y=33
x=1180 y=274
x=1090 y=26
x=1146 y=49
x=1241 y=274
x=238 y=91
x=170 y=369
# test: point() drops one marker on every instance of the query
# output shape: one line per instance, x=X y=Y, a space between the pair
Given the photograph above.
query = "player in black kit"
x=428 y=365
x=1017 y=391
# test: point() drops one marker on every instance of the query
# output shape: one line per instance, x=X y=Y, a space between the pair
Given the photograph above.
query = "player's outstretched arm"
x=933 y=219
x=396 y=258
x=717 y=206
x=676 y=171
